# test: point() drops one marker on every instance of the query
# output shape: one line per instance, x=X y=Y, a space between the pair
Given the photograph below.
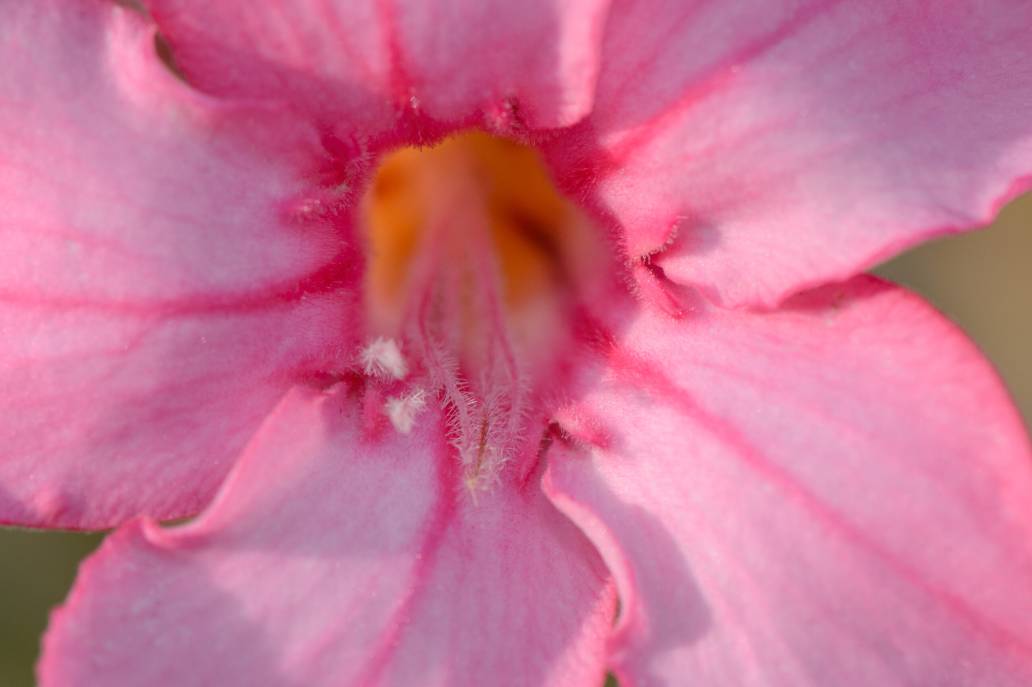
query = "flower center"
x=475 y=261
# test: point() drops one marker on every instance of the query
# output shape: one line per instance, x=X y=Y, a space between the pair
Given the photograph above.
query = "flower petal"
x=152 y=268
x=836 y=493
x=353 y=63
x=337 y=557
x=764 y=147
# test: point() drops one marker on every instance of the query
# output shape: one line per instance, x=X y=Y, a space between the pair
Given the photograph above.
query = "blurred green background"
x=982 y=280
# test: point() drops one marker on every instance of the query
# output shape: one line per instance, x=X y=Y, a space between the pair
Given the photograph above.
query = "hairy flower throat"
x=474 y=260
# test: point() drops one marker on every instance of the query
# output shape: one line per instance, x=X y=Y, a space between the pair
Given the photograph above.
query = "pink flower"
x=439 y=451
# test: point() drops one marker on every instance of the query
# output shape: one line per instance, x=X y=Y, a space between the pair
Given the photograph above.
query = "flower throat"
x=474 y=262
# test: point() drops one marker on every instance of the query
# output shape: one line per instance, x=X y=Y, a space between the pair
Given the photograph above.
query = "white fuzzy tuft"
x=383 y=358
x=402 y=410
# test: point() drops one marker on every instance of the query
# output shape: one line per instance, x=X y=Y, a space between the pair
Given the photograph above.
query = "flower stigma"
x=475 y=262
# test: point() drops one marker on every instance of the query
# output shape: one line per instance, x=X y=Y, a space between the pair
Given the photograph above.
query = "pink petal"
x=836 y=493
x=152 y=274
x=763 y=147
x=354 y=63
x=336 y=558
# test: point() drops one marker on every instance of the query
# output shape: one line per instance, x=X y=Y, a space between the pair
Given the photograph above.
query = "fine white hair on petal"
x=402 y=410
x=382 y=357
